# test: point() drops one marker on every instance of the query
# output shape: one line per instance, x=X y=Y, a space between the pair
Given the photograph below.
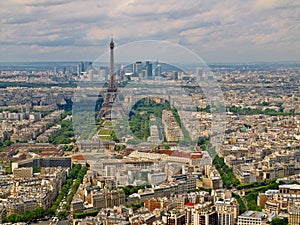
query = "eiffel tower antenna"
x=112 y=63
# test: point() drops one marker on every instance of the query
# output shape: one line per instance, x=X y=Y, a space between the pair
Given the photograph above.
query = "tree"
x=7 y=143
x=241 y=203
x=206 y=109
x=39 y=212
x=278 y=221
x=62 y=214
x=264 y=103
x=8 y=170
x=36 y=169
x=51 y=211
x=226 y=173
x=85 y=214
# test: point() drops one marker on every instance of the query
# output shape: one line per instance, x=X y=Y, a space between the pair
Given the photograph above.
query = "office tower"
x=148 y=70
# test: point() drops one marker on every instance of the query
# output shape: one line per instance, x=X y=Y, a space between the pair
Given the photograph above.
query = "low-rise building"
x=294 y=216
x=252 y=218
x=77 y=206
x=23 y=172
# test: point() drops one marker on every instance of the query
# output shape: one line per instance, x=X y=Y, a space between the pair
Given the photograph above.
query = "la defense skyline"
x=92 y=57
x=210 y=56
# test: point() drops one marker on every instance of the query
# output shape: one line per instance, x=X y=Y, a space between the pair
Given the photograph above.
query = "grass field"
x=106 y=137
x=105 y=132
x=108 y=123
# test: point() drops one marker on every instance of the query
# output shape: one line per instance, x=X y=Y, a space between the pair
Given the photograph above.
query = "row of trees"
x=226 y=173
x=256 y=184
x=64 y=190
x=119 y=148
x=279 y=221
x=206 y=109
x=9 y=110
x=186 y=134
x=67 y=107
x=29 y=215
x=139 y=124
x=77 y=172
x=251 y=198
x=8 y=170
x=35 y=85
x=66 y=207
x=43 y=112
x=251 y=190
x=250 y=111
x=135 y=205
x=129 y=190
x=252 y=194
x=67 y=147
x=139 y=117
x=242 y=207
x=85 y=214
x=5 y=144
x=203 y=142
x=64 y=135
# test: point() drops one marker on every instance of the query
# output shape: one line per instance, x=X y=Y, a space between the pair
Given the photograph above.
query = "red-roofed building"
x=152 y=204
x=190 y=204
x=79 y=159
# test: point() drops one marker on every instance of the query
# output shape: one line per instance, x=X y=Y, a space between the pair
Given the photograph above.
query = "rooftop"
x=253 y=214
x=290 y=186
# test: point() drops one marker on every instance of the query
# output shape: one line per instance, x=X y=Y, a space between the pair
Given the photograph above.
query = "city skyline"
x=231 y=31
x=150 y=112
x=177 y=156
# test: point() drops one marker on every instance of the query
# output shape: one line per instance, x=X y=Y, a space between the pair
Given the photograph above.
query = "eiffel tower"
x=111 y=107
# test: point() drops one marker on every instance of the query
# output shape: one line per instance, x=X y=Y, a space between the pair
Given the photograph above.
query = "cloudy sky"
x=217 y=30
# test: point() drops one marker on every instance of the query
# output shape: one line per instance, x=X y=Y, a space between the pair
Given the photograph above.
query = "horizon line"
x=209 y=62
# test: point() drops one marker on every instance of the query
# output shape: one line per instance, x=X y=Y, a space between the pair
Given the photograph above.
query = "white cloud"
x=267 y=4
x=210 y=27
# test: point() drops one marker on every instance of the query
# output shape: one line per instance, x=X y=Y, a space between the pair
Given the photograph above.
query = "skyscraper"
x=148 y=70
